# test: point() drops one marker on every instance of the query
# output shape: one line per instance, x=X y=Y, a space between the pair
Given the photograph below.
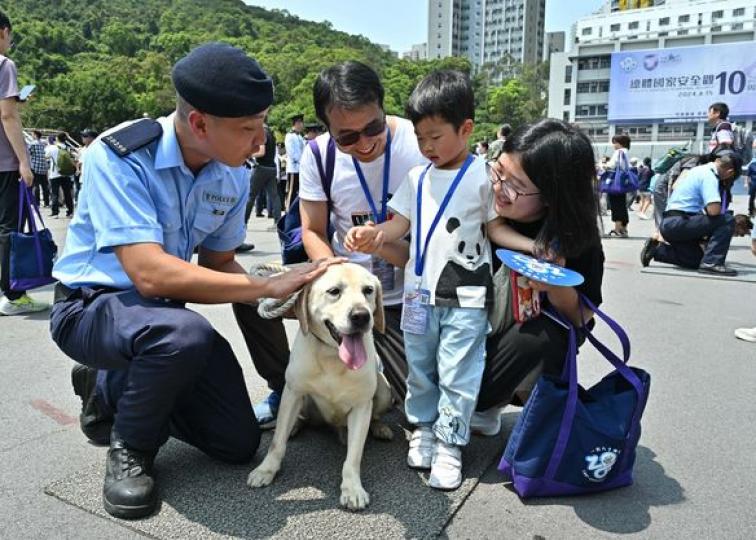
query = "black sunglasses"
x=350 y=138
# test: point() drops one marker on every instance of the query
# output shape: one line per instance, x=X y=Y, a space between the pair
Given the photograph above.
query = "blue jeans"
x=684 y=234
x=445 y=370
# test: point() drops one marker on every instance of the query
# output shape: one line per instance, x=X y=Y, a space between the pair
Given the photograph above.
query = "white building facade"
x=579 y=79
x=486 y=30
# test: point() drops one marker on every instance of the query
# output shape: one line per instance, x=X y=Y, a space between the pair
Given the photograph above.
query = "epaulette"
x=133 y=137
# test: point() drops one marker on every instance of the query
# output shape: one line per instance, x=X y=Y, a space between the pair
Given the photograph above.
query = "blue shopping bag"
x=620 y=180
x=32 y=252
x=572 y=441
x=289 y=226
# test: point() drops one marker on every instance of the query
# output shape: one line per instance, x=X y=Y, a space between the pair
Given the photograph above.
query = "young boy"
x=448 y=207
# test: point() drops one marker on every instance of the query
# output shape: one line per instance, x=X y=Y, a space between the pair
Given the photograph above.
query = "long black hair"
x=558 y=158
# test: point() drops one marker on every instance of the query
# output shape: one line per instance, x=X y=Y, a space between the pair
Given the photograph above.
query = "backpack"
x=743 y=143
x=683 y=164
x=290 y=225
x=65 y=163
x=665 y=163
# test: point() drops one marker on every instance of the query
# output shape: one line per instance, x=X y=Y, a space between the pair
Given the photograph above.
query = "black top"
x=269 y=159
x=590 y=263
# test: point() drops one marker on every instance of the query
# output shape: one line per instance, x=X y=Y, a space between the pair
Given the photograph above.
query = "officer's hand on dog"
x=282 y=285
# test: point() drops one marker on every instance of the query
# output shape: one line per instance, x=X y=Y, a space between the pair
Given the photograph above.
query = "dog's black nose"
x=359 y=318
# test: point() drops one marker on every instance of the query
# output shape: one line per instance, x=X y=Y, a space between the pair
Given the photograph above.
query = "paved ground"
x=695 y=472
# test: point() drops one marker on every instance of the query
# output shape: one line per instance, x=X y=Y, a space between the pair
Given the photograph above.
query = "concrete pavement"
x=695 y=472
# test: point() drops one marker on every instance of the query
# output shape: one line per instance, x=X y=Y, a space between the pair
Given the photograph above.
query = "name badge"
x=384 y=271
x=415 y=311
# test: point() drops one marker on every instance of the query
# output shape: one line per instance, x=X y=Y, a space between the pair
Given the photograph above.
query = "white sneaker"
x=420 y=452
x=746 y=334
x=21 y=305
x=446 y=470
x=487 y=423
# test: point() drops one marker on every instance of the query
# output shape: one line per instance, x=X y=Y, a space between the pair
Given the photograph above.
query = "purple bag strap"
x=570 y=374
x=326 y=175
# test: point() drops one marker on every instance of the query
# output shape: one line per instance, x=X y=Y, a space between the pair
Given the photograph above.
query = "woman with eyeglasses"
x=543 y=191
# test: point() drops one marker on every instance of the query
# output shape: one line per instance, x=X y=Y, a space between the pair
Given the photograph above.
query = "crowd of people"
x=155 y=191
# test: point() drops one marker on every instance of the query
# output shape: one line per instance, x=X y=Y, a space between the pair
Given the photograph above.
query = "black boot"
x=95 y=423
x=129 y=491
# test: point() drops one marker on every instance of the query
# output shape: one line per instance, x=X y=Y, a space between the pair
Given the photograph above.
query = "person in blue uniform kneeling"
x=148 y=367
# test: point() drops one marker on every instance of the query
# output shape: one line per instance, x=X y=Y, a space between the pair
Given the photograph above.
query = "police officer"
x=696 y=210
x=153 y=191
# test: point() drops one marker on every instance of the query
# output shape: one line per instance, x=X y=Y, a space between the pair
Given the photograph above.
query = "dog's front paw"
x=354 y=497
x=381 y=431
x=260 y=477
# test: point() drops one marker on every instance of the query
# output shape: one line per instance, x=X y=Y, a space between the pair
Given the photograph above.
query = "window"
x=568 y=74
x=736 y=26
x=586 y=31
x=716 y=28
x=682 y=32
x=633 y=25
x=614 y=28
x=717 y=14
x=664 y=21
x=567 y=95
x=683 y=19
x=566 y=116
x=738 y=12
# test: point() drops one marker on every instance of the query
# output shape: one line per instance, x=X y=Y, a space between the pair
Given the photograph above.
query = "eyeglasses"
x=350 y=138
x=495 y=178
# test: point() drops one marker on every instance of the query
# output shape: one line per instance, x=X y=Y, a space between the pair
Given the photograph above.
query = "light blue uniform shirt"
x=698 y=188
x=149 y=196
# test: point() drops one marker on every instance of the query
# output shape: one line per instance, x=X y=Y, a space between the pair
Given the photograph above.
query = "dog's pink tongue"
x=352 y=351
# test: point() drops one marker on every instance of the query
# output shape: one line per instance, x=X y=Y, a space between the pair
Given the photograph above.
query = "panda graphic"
x=464 y=281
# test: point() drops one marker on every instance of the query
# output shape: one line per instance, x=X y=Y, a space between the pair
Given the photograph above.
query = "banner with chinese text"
x=679 y=84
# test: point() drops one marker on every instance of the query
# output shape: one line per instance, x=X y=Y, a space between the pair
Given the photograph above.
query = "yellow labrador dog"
x=333 y=373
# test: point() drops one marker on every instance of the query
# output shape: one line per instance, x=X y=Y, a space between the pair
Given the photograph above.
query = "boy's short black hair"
x=721 y=108
x=61 y=136
x=447 y=94
x=5 y=21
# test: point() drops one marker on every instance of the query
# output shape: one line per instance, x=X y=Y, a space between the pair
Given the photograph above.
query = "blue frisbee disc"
x=542 y=271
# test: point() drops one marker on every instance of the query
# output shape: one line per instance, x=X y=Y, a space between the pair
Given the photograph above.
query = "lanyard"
x=379 y=218
x=420 y=256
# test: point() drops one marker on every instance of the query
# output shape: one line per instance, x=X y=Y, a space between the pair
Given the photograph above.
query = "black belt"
x=63 y=293
x=678 y=213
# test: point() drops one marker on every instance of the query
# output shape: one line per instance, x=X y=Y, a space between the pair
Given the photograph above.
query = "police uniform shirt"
x=149 y=196
x=697 y=189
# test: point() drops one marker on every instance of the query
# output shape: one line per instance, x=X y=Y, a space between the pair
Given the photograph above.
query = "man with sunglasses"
x=373 y=154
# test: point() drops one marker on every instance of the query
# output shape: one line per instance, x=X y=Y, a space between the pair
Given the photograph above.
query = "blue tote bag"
x=32 y=252
x=572 y=441
x=620 y=180
x=290 y=225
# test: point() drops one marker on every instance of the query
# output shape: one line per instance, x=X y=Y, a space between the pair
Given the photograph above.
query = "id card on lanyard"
x=417 y=300
x=381 y=268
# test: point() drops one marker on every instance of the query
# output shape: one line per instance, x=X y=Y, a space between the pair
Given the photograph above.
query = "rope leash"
x=271 y=308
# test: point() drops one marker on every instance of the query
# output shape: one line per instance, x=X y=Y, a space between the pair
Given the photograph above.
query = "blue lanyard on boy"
x=379 y=218
x=420 y=255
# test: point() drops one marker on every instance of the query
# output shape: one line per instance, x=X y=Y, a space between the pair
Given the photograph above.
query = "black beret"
x=313 y=127
x=222 y=80
x=296 y=117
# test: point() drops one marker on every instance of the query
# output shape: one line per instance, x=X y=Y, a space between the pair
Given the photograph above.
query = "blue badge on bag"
x=545 y=272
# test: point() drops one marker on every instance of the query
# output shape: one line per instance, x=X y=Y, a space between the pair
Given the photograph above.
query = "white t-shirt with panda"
x=458 y=261
x=349 y=206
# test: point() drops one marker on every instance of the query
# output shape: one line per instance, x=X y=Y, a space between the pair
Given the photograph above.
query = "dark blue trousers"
x=684 y=234
x=165 y=371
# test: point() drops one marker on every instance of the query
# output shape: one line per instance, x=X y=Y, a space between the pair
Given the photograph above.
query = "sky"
x=403 y=23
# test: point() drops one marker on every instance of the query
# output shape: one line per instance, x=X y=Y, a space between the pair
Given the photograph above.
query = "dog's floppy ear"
x=301 y=309
x=379 y=321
